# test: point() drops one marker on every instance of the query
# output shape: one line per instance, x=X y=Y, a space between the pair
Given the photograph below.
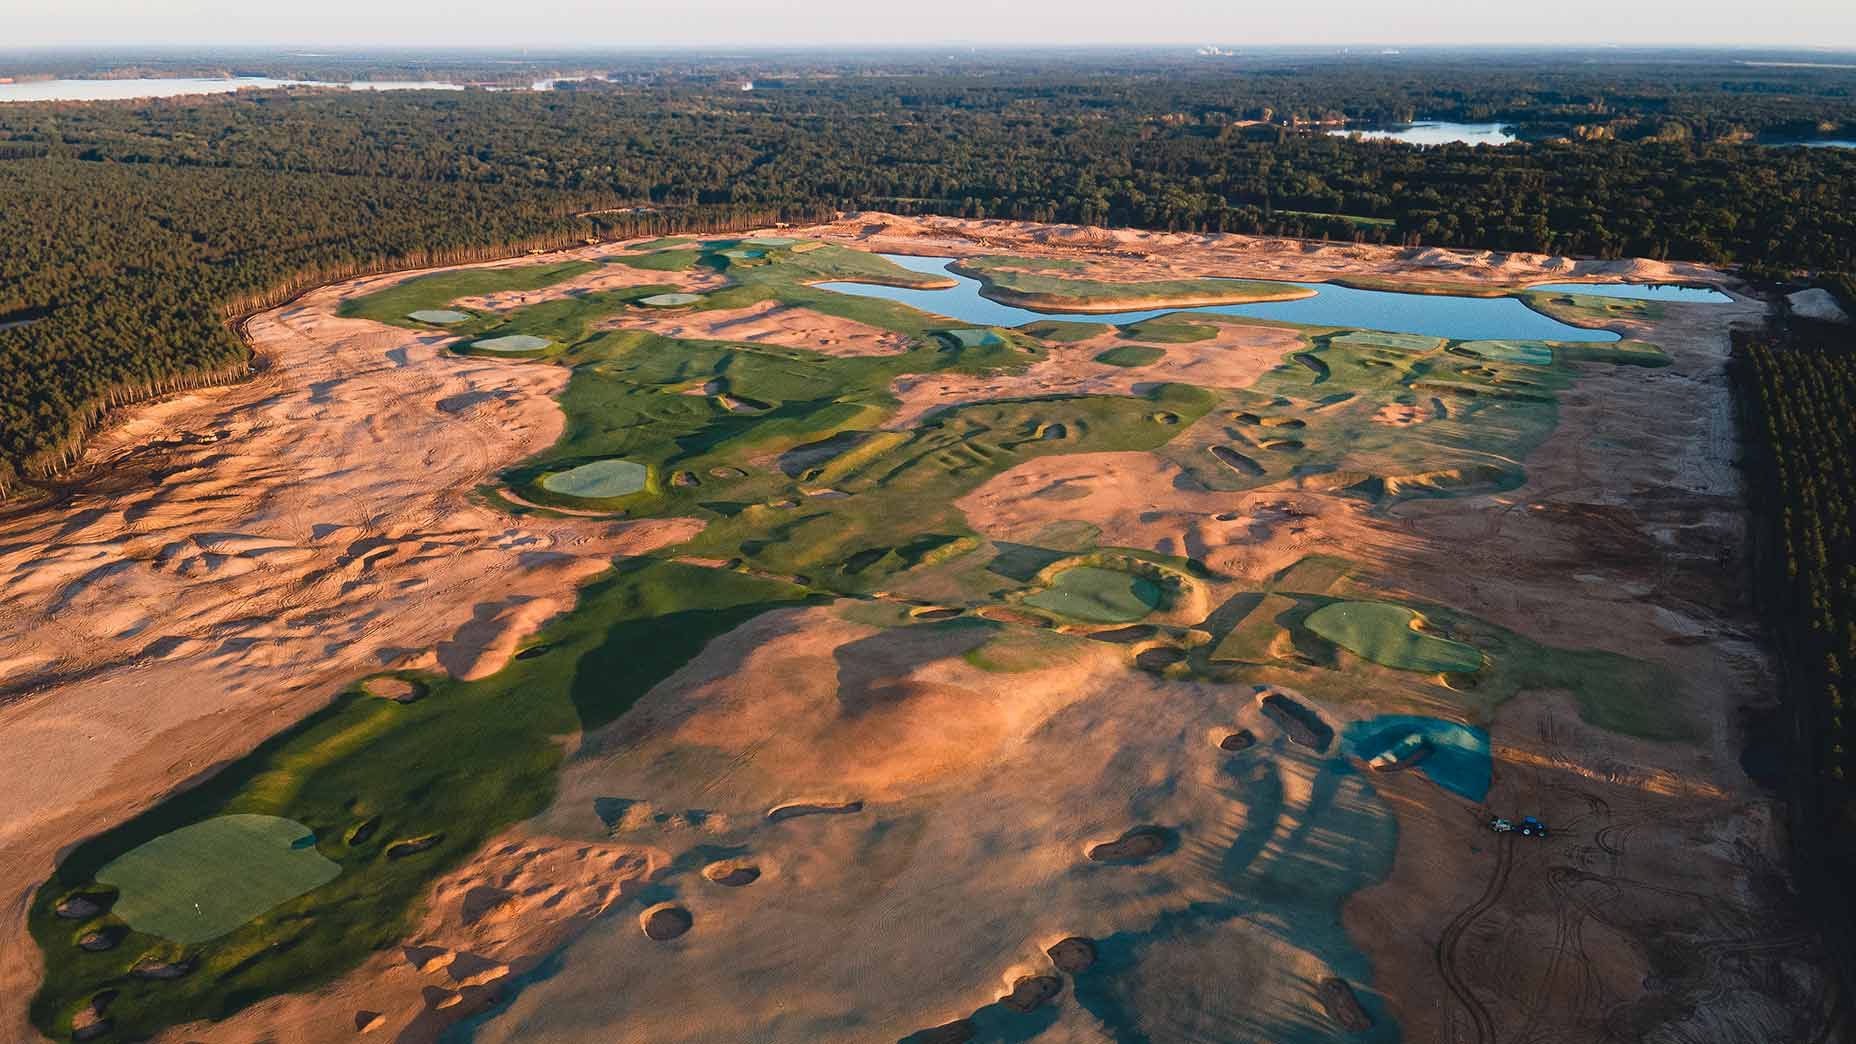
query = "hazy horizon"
x=1814 y=25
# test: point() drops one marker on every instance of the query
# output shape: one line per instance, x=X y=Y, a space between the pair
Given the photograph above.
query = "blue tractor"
x=1527 y=827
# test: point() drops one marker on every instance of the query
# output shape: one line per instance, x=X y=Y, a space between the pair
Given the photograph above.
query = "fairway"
x=204 y=880
x=1098 y=595
x=602 y=478
x=670 y=300
x=1387 y=634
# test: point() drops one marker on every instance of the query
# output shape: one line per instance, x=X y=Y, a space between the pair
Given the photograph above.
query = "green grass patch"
x=395 y=304
x=453 y=769
x=1388 y=634
x=601 y=479
x=1252 y=639
x=662 y=260
x=1168 y=330
x=206 y=879
x=1097 y=595
x=1059 y=331
x=1132 y=355
x=512 y=344
x=1018 y=281
x=1591 y=309
x=440 y=316
x=670 y=300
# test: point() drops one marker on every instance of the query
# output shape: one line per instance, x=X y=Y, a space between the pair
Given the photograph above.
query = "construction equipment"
x=1527 y=827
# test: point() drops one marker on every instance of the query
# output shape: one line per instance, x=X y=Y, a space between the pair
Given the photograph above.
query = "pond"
x=1435 y=132
x=1639 y=292
x=1432 y=315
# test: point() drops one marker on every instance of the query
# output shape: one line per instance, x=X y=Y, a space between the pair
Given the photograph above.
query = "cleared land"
x=954 y=634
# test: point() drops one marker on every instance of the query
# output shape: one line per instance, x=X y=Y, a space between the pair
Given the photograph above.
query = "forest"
x=139 y=233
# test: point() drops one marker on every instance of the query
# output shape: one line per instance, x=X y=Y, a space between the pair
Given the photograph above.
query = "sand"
x=227 y=560
x=773 y=323
x=954 y=808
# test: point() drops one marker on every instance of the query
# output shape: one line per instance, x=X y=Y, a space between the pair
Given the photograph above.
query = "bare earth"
x=921 y=822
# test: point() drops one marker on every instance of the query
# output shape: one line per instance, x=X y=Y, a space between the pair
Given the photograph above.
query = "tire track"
x=1445 y=952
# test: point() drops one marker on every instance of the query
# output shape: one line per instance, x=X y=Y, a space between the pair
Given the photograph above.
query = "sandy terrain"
x=240 y=554
x=1233 y=359
x=919 y=825
x=1128 y=255
x=771 y=322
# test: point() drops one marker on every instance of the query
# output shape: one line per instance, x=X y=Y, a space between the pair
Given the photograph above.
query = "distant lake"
x=1437 y=315
x=1435 y=132
x=1815 y=143
x=176 y=87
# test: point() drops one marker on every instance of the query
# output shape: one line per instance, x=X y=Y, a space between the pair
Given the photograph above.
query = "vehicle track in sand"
x=1445 y=952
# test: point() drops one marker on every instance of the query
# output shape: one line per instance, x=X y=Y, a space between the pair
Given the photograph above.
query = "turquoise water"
x=1437 y=132
x=1458 y=761
x=1433 y=315
x=1640 y=292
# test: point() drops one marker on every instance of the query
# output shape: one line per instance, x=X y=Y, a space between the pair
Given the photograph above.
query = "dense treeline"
x=1797 y=392
x=133 y=230
x=119 y=281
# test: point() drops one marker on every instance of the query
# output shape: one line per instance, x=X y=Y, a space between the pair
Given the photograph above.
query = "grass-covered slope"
x=1023 y=283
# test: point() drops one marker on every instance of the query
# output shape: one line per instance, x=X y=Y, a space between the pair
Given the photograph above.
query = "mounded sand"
x=962 y=875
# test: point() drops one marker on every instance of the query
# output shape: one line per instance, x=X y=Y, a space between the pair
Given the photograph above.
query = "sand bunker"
x=813 y=808
x=1297 y=720
x=1136 y=846
x=204 y=880
x=665 y=921
x=599 y=480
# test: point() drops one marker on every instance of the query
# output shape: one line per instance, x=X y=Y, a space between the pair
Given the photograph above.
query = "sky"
x=620 y=24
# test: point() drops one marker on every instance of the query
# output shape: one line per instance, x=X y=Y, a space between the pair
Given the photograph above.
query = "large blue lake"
x=1435 y=132
x=1436 y=315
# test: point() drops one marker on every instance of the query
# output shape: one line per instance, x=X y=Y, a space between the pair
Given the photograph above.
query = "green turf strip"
x=204 y=880
x=1098 y=595
x=1383 y=633
x=1132 y=355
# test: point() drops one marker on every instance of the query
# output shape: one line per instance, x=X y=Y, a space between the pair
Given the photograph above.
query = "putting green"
x=1533 y=353
x=1098 y=595
x=1388 y=634
x=602 y=478
x=669 y=300
x=440 y=316
x=204 y=880
x=513 y=343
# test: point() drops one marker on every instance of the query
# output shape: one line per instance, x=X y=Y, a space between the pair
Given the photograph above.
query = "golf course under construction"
x=913 y=630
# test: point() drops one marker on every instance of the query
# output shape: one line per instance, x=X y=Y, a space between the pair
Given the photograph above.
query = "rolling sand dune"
x=833 y=828
x=1130 y=255
x=244 y=552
